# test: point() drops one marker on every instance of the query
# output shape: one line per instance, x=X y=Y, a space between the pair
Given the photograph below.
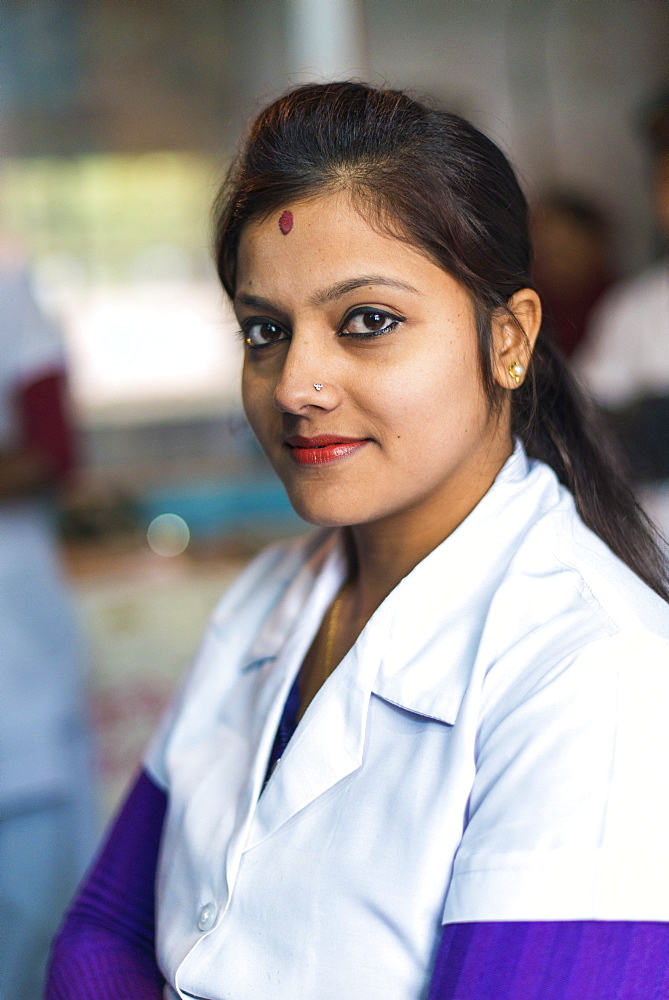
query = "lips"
x=323 y=448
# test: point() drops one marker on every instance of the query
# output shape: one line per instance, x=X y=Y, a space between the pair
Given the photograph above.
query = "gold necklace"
x=331 y=633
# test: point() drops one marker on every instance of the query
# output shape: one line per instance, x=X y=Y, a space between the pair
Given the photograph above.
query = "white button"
x=207 y=917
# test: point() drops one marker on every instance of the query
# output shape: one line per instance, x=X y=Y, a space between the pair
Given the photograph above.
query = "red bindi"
x=286 y=222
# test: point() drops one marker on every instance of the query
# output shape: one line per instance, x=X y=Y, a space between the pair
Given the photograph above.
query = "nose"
x=306 y=379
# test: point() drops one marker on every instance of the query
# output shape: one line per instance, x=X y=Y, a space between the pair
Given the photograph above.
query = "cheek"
x=439 y=388
x=256 y=400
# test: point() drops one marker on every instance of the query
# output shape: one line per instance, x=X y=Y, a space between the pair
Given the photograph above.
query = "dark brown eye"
x=263 y=332
x=369 y=322
x=374 y=320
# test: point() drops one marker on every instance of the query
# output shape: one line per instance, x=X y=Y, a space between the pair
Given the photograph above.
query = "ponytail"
x=558 y=424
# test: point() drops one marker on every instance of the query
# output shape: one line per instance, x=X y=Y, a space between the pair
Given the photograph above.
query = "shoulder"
x=260 y=584
x=563 y=548
x=568 y=607
x=247 y=622
x=255 y=599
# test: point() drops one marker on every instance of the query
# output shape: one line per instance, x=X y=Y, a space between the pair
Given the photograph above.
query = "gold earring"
x=515 y=371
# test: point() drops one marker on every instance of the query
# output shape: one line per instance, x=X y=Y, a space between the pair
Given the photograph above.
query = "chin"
x=320 y=518
x=317 y=511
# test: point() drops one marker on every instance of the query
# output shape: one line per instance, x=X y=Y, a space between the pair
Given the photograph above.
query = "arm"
x=105 y=949
x=552 y=960
x=45 y=451
x=568 y=822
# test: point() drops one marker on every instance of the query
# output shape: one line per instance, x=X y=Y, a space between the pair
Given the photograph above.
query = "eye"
x=262 y=333
x=369 y=323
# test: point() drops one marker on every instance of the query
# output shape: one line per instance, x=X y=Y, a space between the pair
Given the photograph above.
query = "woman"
x=472 y=802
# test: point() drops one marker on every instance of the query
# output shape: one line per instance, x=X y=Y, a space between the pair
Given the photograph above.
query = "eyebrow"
x=351 y=284
x=256 y=302
x=327 y=294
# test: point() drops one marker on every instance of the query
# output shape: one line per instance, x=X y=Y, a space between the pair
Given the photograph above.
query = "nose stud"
x=318 y=386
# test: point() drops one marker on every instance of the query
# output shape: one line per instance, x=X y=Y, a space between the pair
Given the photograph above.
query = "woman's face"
x=361 y=375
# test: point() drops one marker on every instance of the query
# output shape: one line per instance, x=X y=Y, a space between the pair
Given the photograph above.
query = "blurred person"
x=571 y=270
x=422 y=752
x=625 y=360
x=46 y=801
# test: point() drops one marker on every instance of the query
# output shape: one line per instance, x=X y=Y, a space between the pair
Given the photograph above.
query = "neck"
x=385 y=551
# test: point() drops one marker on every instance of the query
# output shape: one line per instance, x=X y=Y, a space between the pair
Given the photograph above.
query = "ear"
x=514 y=332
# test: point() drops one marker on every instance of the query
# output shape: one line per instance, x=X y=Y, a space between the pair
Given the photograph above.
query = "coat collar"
x=423 y=638
x=433 y=620
x=417 y=651
x=317 y=571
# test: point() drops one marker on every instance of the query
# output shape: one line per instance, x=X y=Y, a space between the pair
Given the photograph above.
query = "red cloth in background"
x=45 y=422
x=567 y=312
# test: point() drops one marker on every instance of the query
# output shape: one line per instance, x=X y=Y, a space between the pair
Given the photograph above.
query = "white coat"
x=493 y=747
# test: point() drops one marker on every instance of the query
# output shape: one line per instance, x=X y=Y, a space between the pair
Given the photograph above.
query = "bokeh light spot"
x=168 y=535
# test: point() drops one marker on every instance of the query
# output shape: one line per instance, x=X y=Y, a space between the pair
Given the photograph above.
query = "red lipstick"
x=323 y=448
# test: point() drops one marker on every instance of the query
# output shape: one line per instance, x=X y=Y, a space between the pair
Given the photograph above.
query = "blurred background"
x=117 y=122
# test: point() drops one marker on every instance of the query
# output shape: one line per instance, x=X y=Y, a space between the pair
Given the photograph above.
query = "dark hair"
x=432 y=179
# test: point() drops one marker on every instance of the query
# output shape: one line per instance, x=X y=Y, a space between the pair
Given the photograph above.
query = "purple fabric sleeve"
x=105 y=949
x=578 y=960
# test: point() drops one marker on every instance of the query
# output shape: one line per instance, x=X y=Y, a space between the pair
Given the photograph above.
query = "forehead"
x=324 y=234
